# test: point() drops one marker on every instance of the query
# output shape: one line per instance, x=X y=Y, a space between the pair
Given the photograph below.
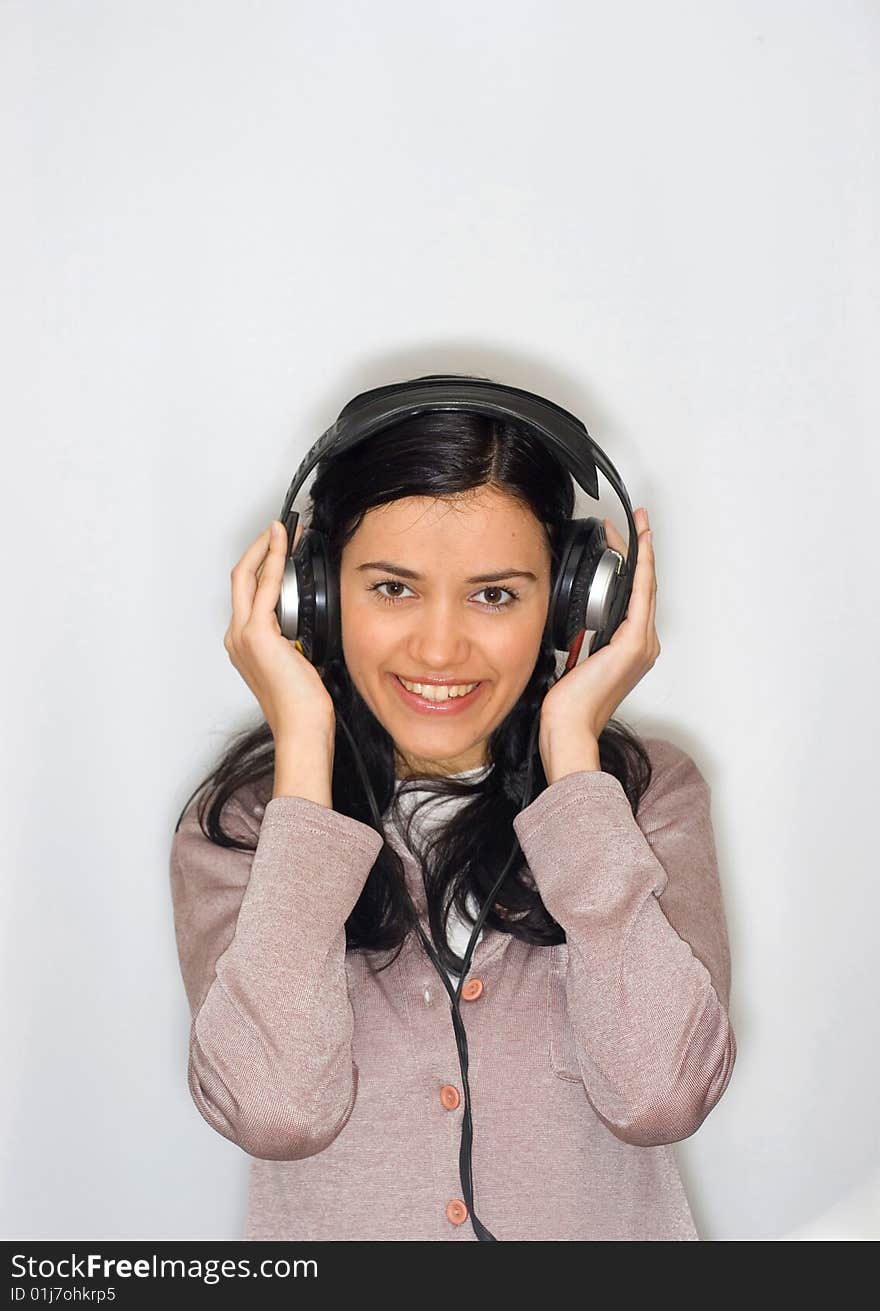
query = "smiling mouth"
x=438 y=692
x=439 y=699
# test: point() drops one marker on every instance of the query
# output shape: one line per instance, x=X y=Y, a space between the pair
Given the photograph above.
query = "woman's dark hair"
x=440 y=454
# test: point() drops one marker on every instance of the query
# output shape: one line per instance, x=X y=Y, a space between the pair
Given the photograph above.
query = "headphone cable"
x=465 y=1162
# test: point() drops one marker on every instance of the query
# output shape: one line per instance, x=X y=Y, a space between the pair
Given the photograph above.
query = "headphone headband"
x=564 y=435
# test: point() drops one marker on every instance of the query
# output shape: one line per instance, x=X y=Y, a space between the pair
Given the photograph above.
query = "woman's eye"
x=492 y=589
x=389 y=582
x=514 y=596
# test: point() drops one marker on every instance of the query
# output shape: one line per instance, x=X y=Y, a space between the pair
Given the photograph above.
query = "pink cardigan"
x=588 y=1059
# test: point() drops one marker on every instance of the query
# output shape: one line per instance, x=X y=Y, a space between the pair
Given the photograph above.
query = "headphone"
x=590 y=590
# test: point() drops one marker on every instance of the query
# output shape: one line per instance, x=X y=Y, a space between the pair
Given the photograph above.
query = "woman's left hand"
x=585 y=698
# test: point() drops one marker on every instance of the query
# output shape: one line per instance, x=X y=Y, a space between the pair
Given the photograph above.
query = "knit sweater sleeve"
x=647 y=980
x=261 y=942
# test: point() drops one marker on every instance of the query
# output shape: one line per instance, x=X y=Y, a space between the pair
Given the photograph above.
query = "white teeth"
x=433 y=692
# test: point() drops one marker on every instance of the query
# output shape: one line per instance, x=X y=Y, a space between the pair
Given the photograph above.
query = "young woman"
x=596 y=1000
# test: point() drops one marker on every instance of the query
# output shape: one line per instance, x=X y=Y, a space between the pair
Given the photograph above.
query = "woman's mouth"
x=438 y=700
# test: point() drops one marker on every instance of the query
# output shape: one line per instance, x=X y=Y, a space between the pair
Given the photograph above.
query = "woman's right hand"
x=287 y=686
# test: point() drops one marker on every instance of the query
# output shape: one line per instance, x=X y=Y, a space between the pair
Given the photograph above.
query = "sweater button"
x=456 y=1211
x=449 y=1096
x=472 y=989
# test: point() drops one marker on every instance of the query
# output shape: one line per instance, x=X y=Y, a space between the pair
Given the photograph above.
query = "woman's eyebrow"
x=386 y=567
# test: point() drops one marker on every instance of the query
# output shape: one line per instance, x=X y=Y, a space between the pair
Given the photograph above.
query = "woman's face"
x=415 y=603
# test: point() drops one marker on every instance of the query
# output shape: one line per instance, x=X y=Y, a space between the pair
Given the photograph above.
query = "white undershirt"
x=439 y=808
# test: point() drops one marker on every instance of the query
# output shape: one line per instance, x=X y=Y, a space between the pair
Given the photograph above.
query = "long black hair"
x=443 y=455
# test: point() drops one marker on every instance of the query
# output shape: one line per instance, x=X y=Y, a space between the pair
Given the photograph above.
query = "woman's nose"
x=440 y=638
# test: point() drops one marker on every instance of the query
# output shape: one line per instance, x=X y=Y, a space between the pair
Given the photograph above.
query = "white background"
x=221 y=220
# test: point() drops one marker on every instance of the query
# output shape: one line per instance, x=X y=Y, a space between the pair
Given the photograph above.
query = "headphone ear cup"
x=578 y=596
x=585 y=590
x=328 y=614
x=308 y=601
x=308 y=607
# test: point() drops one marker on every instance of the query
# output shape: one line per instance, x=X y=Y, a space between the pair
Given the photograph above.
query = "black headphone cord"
x=465 y=1163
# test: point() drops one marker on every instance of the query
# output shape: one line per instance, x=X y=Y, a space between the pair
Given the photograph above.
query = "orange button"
x=456 y=1211
x=472 y=989
x=449 y=1096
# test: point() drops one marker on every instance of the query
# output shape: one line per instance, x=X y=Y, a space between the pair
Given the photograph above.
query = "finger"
x=271 y=574
x=244 y=581
x=639 y=609
x=651 y=584
x=254 y=553
x=296 y=536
